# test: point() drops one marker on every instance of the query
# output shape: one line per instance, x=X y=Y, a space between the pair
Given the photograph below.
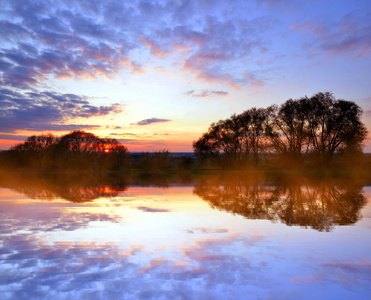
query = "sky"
x=156 y=74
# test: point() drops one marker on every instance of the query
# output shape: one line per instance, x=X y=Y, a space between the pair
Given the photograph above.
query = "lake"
x=206 y=237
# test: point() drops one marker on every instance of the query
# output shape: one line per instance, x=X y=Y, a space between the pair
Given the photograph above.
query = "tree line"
x=76 y=150
x=302 y=131
x=80 y=150
x=313 y=130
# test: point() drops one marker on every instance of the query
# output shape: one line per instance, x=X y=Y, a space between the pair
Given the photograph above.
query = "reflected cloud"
x=346 y=273
x=35 y=217
x=150 y=209
x=207 y=230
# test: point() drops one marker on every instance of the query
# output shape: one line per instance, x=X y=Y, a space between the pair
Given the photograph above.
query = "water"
x=226 y=237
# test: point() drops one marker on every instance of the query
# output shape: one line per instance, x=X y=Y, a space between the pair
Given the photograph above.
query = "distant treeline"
x=302 y=131
x=80 y=150
x=306 y=131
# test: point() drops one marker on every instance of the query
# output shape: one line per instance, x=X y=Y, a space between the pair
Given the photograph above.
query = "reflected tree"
x=75 y=187
x=318 y=205
x=71 y=187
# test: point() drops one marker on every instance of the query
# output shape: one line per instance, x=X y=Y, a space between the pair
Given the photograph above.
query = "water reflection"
x=296 y=201
x=71 y=187
x=301 y=201
x=83 y=187
x=134 y=242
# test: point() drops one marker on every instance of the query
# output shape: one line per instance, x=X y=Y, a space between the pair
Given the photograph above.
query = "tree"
x=36 y=143
x=288 y=130
x=79 y=141
x=334 y=126
x=223 y=143
x=76 y=150
x=236 y=141
x=254 y=123
x=320 y=126
x=35 y=151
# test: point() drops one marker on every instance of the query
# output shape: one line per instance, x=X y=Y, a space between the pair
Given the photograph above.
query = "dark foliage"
x=312 y=129
x=77 y=150
x=237 y=141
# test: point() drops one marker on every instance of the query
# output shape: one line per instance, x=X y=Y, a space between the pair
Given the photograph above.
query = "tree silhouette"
x=79 y=141
x=36 y=143
x=76 y=150
x=288 y=130
x=236 y=141
x=334 y=125
x=319 y=127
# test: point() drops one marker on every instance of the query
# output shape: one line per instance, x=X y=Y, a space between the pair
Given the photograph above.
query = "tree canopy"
x=318 y=127
x=75 y=150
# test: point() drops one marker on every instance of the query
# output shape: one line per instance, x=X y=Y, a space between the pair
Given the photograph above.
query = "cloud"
x=150 y=121
x=89 y=40
x=47 y=110
x=206 y=93
x=350 y=35
x=229 y=43
x=123 y=134
x=13 y=137
x=63 y=41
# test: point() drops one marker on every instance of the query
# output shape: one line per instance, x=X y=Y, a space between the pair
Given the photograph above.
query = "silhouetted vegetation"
x=77 y=150
x=156 y=161
x=84 y=151
x=302 y=132
x=312 y=130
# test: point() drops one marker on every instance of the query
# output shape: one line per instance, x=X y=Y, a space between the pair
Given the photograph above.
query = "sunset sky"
x=155 y=74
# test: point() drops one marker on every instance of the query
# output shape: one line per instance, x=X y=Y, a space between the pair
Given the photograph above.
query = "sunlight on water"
x=211 y=238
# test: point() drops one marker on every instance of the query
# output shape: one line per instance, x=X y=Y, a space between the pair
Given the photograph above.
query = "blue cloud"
x=47 y=111
x=150 y=121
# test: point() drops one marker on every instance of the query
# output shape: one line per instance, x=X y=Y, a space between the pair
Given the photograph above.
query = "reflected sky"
x=172 y=243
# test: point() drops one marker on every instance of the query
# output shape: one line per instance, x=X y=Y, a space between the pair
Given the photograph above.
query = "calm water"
x=206 y=238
